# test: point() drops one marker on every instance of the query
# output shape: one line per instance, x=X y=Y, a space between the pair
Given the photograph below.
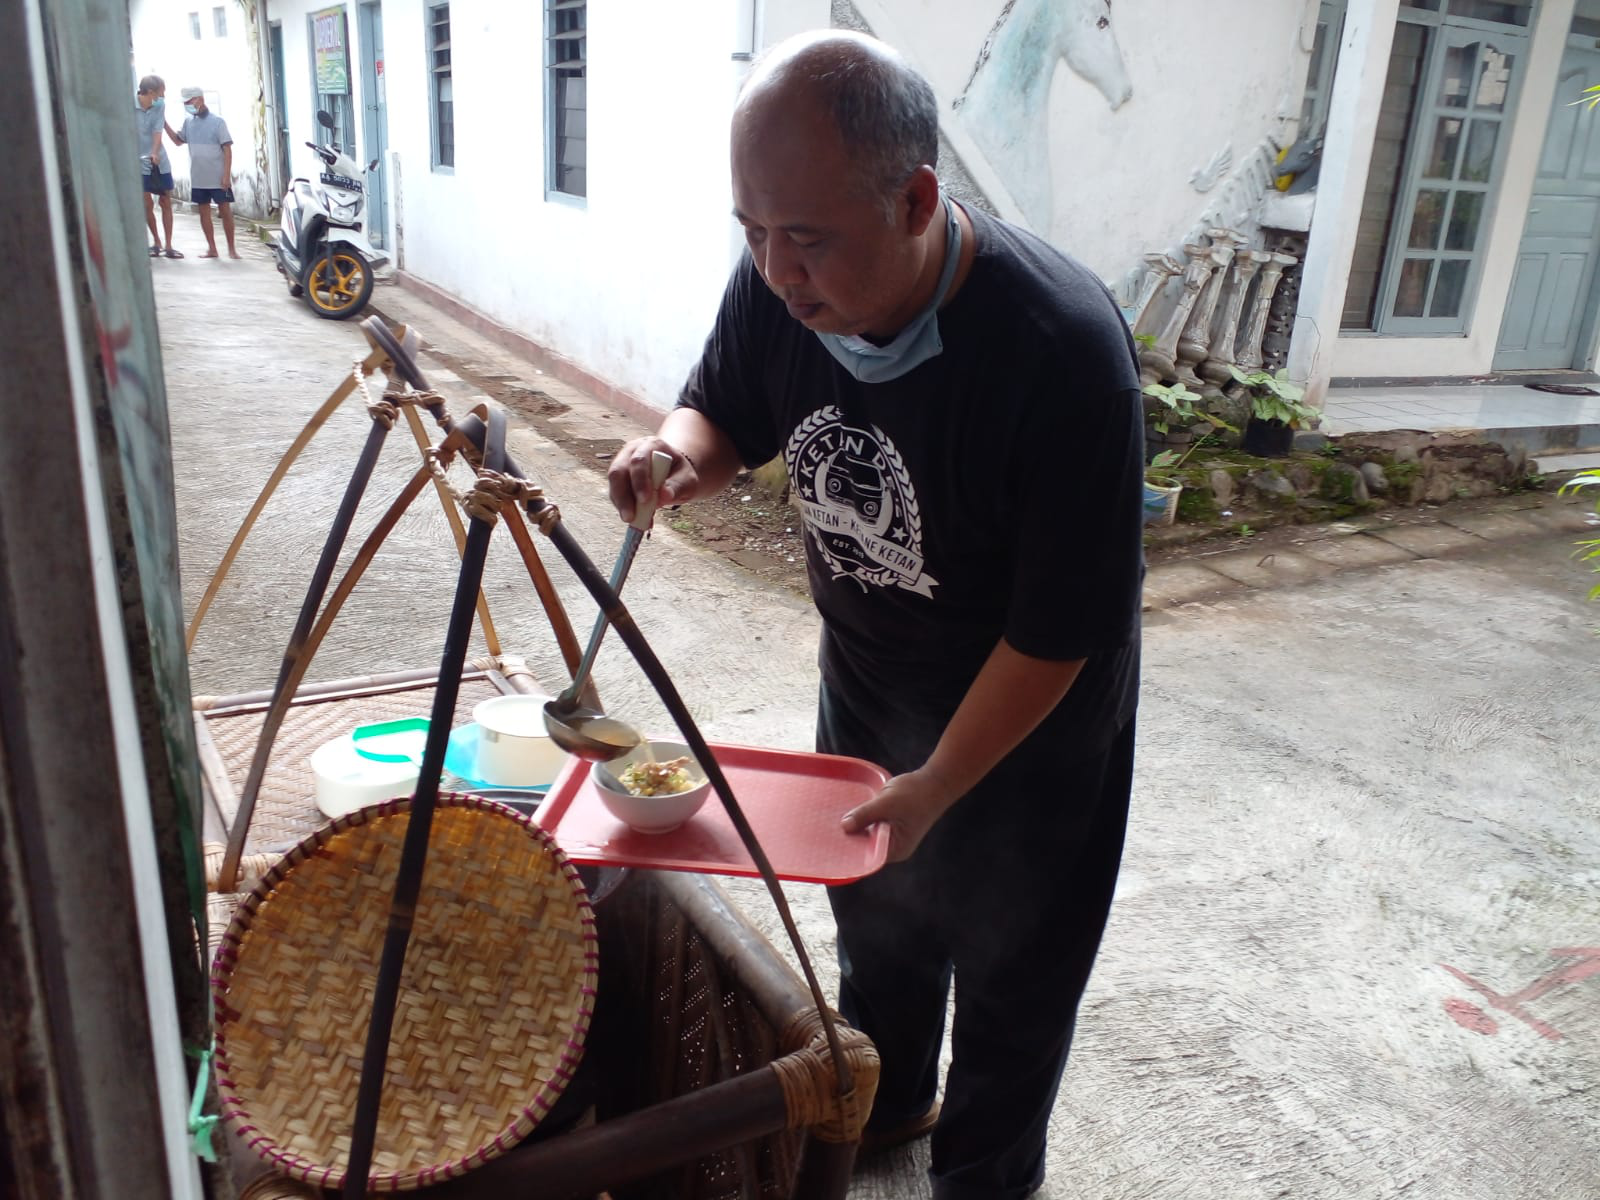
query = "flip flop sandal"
x=1563 y=389
x=155 y=251
x=875 y=1140
x=171 y=253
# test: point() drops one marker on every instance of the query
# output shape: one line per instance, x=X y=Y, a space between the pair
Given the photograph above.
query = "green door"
x=1548 y=321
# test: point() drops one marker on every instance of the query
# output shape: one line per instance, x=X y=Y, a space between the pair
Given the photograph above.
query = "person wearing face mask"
x=155 y=169
x=210 y=167
x=958 y=408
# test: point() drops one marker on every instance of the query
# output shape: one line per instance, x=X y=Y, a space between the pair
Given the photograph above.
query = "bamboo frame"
x=825 y=1078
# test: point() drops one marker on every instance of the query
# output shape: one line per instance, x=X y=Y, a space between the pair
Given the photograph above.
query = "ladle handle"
x=660 y=468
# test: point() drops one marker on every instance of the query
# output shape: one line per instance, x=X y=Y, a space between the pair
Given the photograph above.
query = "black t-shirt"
x=994 y=491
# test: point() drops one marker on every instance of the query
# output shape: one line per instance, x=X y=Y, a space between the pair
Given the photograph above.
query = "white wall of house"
x=164 y=44
x=623 y=283
x=1151 y=126
x=1364 y=355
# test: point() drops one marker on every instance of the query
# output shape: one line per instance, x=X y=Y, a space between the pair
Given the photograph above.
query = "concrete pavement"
x=1356 y=946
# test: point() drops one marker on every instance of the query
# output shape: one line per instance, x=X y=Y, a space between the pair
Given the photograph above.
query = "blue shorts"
x=211 y=195
x=157 y=183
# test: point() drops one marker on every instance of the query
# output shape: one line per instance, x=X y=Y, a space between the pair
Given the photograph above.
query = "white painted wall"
x=163 y=44
x=1205 y=78
x=1358 y=355
x=624 y=283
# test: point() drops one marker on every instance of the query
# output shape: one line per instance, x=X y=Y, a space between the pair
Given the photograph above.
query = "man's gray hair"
x=885 y=111
x=151 y=83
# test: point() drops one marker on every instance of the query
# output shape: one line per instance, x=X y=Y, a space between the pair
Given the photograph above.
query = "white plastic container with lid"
x=513 y=748
x=368 y=765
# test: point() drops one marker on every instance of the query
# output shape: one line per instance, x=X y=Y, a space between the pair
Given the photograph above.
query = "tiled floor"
x=1489 y=406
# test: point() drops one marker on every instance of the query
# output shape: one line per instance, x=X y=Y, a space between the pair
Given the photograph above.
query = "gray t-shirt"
x=205 y=136
x=150 y=121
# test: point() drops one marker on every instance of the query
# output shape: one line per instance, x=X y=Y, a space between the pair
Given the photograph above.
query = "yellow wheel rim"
x=343 y=289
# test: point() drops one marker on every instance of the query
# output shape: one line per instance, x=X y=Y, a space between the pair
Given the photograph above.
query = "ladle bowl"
x=587 y=733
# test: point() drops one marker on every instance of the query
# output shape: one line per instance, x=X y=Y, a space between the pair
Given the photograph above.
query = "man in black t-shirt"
x=958 y=408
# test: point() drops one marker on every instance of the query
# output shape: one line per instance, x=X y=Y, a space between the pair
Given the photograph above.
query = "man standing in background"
x=155 y=170
x=210 y=167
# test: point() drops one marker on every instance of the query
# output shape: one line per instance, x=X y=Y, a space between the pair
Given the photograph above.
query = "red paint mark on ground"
x=1470 y=1016
x=1585 y=964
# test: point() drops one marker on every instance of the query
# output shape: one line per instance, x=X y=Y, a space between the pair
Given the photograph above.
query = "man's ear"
x=921 y=193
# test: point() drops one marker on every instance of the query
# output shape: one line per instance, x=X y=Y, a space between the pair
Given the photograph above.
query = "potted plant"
x=1589 y=548
x=1161 y=483
x=1277 y=409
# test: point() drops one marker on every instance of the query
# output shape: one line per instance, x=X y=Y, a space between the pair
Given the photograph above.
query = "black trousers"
x=1008 y=896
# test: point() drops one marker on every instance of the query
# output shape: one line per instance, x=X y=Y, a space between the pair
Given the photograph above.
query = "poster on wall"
x=328 y=40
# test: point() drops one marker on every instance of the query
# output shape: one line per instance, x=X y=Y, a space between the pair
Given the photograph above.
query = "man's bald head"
x=884 y=111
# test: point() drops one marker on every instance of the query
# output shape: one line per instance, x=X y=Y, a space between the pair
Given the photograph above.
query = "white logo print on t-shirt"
x=859 y=506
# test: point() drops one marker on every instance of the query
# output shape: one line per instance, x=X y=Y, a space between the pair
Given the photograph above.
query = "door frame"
x=280 y=105
x=326 y=137
x=374 y=119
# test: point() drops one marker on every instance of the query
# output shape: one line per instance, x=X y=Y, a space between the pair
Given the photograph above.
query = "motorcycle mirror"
x=324 y=119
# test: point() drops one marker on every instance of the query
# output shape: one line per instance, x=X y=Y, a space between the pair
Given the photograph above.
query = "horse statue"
x=1006 y=101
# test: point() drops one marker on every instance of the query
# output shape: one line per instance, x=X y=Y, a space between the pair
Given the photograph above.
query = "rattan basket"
x=495 y=999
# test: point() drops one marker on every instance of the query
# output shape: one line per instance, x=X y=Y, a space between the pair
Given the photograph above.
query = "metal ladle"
x=585 y=732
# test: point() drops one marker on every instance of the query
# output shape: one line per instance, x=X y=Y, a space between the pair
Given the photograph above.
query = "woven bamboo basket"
x=495 y=1004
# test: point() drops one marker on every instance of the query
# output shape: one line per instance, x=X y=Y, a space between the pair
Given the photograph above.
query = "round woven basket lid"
x=494 y=1001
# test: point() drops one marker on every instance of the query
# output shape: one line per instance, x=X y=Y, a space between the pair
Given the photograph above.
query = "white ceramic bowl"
x=513 y=748
x=649 y=814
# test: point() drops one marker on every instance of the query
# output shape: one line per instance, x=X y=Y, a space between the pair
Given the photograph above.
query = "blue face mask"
x=191 y=110
x=158 y=102
x=917 y=342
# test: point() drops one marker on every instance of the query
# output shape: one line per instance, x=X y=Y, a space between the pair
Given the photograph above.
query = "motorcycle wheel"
x=341 y=293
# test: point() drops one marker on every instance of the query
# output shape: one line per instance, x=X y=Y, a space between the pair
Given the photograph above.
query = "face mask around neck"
x=917 y=342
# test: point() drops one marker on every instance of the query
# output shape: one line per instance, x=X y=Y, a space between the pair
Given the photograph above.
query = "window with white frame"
x=1436 y=162
x=566 y=96
x=219 y=21
x=441 y=93
x=194 y=25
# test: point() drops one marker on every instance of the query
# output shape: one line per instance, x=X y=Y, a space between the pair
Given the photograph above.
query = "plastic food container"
x=368 y=765
x=513 y=748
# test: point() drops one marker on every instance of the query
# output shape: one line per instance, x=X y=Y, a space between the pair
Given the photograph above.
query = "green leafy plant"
x=1179 y=407
x=1589 y=548
x=1273 y=397
x=1145 y=340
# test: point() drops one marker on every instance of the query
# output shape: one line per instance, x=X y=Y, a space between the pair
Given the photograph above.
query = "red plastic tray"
x=793 y=801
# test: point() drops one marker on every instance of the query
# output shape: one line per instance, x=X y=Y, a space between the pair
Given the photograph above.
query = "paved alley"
x=1356 y=946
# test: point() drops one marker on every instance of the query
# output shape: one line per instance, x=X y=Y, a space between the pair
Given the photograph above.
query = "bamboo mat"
x=286 y=809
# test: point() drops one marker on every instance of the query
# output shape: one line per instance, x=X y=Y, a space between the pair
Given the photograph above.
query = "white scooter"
x=321 y=248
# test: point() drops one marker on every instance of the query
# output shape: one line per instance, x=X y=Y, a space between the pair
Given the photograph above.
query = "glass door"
x=1457 y=144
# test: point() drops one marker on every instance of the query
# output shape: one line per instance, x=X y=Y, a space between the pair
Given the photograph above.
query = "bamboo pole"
x=629 y=1148
x=491 y=639
x=373 y=362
